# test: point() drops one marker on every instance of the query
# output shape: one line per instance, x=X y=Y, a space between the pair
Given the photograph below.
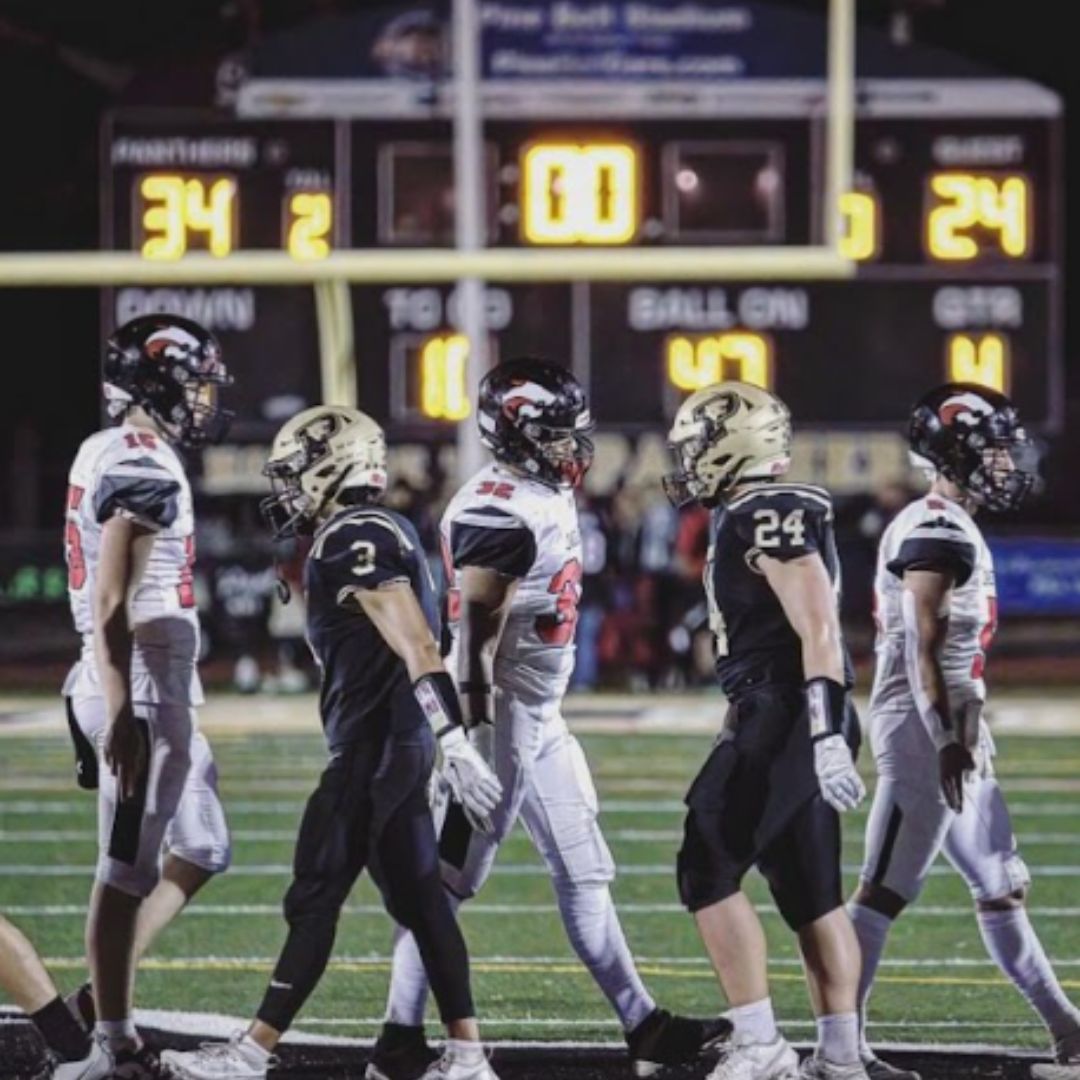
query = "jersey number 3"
x=558 y=629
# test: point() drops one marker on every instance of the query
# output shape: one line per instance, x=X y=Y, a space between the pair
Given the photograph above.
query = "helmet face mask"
x=534 y=418
x=323 y=458
x=171 y=368
x=972 y=436
x=722 y=436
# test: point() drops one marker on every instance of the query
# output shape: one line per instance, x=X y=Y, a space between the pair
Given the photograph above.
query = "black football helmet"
x=972 y=435
x=172 y=368
x=534 y=418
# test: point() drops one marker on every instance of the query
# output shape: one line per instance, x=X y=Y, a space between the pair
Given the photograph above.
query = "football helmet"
x=972 y=435
x=171 y=367
x=723 y=435
x=534 y=418
x=324 y=458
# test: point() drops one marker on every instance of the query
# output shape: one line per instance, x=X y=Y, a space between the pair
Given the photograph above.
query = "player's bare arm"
x=926 y=620
x=486 y=596
x=808 y=598
x=400 y=620
x=807 y=595
x=125 y=547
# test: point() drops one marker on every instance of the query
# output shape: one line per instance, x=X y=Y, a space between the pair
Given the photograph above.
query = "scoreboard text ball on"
x=953 y=219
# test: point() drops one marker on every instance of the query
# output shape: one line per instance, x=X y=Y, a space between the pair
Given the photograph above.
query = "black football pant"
x=369 y=810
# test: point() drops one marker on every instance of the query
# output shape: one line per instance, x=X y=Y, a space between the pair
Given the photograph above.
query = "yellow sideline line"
x=69 y=963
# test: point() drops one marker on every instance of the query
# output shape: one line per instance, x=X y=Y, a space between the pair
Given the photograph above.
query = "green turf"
x=527 y=980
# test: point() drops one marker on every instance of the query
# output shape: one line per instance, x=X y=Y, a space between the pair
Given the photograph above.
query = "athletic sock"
x=408 y=996
x=593 y=927
x=61 y=1031
x=255 y=1053
x=117 y=1034
x=466 y=1052
x=755 y=1022
x=838 y=1038
x=872 y=929
x=1015 y=947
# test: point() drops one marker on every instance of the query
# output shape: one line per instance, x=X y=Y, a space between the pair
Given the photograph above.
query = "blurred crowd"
x=642 y=622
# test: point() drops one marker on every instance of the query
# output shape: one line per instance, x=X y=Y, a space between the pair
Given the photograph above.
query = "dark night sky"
x=62 y=62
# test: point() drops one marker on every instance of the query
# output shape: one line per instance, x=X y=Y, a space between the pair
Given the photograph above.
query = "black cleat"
x=663 y=1040
x=401 y=1053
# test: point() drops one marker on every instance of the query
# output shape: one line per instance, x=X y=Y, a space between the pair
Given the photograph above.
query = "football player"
x=782 y=769
x=514 y=560
x=386 y=700
x=25 y=980
x=131 y=698
x=937 y=612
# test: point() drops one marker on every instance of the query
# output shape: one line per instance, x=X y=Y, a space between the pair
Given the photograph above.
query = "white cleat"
x=819 y=1068
x=746 y=1060
x=877 y=1069
x=238 y=1059
x=135 y=1062
x=1066 y=1064
x=458 y=1064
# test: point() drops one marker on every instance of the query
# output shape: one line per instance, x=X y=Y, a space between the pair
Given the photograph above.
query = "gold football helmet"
x=723 y=435
x=317 y=456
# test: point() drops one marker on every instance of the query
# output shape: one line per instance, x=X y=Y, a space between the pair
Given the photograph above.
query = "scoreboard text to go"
x=176 y=214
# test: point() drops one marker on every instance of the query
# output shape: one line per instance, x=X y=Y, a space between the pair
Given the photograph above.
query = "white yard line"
x=962 y=911
x=655 y=870
x=929 y=963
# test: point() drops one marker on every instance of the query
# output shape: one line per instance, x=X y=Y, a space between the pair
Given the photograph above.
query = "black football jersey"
x=754 y=640
x=362 y=548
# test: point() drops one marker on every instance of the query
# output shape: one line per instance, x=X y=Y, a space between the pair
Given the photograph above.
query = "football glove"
x=470 y=779
x=841 y=786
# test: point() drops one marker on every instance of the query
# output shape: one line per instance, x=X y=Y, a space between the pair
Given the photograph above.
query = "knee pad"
x=561 y=816
x=214 y=857
x=704 y=872
x=999 y=876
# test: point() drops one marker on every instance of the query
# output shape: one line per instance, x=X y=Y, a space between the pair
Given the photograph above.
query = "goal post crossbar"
x=375 y=266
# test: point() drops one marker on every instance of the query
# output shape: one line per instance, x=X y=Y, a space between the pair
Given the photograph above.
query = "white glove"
x=841 y=786
x=470 y=779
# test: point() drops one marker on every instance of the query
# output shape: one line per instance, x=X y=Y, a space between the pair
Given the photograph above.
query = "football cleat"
x=877 y=1069
x=238 y=1059
x=819 y=1068
x=400 y=1053
x=747 y=1060
x=1066 y=1064
x=456 y=1064
x=131 y=1063
x=663 y=1039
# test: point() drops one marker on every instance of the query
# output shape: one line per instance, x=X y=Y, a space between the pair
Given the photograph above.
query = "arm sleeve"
x=784 y=524
x=936 y=544
x=141 y=489
x=492 y=538
x=366 y=554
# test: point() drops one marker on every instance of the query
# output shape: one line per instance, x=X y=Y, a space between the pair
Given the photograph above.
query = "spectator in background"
x=596 y=591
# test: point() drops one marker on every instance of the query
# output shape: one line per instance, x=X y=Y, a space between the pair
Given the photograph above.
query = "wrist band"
x=826 y=702
x=439 y=701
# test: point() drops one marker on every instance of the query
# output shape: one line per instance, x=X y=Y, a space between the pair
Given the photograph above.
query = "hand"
x=470 y=779
x=841 y=786
x=954 y=763
x=125 y=752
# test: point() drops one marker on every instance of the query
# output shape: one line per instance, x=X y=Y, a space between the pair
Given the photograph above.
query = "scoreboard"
x=955 y=220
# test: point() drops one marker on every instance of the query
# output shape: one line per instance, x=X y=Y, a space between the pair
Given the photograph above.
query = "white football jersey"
x=131 y=471
x=934 y=532
x=536 y=652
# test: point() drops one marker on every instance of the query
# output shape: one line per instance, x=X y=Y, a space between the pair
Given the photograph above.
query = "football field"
x=936 y=986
